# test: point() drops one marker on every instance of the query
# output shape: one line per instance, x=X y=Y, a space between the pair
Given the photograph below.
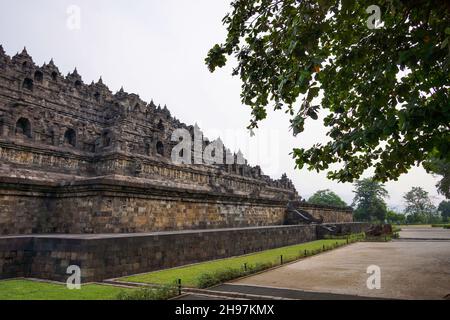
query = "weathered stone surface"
x=76 y=158
x=107 y=256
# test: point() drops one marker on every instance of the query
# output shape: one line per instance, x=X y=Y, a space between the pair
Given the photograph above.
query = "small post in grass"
x=179 y=287
x=323 y=247
x=245 y=267
x=281 y=259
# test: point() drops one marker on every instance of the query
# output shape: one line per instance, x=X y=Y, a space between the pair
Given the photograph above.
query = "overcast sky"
x=156 y=48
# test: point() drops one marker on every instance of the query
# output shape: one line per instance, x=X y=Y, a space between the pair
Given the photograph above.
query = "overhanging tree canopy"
x=386 y=90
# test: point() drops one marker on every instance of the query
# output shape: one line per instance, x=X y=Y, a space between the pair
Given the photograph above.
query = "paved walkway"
x=410 y=269
x=423 y=233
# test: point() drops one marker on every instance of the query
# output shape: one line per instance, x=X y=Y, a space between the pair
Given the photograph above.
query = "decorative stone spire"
x=4 y=59
x=166 y=111
x=25 y=52
x=74 y=76
x=51 y=67
x=121 y=94
x=102 y=87
x=23 y=58
x=240 y=158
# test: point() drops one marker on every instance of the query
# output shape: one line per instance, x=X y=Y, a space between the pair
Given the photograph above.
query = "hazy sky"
x=156 y=48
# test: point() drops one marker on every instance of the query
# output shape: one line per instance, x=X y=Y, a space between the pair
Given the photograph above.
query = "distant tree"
x=395 y=218
x=444 y=210
x=419 y=207
x=369 y=200
x=328 y=198
x=441 y=168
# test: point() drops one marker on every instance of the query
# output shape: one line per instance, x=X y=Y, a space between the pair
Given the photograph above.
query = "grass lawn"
x=34 y=290
x=189 y=274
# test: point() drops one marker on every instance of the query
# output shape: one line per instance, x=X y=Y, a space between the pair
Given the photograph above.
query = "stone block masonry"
x=120 y=206
x=86 y=178
x=76 y=158
x=108 y=256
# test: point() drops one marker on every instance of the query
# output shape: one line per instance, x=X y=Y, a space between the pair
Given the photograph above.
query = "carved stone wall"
x=40 y=108
x=76 y=158
x=113 y=205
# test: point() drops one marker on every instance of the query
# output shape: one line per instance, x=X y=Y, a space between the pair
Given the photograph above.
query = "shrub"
x=384 y=238
x=260 y=267
x=157 y=293
x=207 y=280
x=350 y=237
x=445 y=226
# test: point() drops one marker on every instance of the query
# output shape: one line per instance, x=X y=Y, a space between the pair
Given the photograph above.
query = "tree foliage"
x=369 y=200
x=444 y=210
x=395 y=218
x=419 y=207
x=442 y=168
x=385 y=91
x=328 y=198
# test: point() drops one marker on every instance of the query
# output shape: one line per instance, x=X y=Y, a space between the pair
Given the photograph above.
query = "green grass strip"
x=190 y=274
x=35 y=290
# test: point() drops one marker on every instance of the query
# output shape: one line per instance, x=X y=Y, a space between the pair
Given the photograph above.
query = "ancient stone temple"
x=78 y=159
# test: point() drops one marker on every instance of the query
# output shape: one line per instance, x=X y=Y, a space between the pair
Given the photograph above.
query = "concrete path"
x=411 y=268
x=423 y=233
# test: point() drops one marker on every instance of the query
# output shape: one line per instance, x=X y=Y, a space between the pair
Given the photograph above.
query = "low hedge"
x=154 y=293
x=352 y=237
x=443 y=225
x=207 y=280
